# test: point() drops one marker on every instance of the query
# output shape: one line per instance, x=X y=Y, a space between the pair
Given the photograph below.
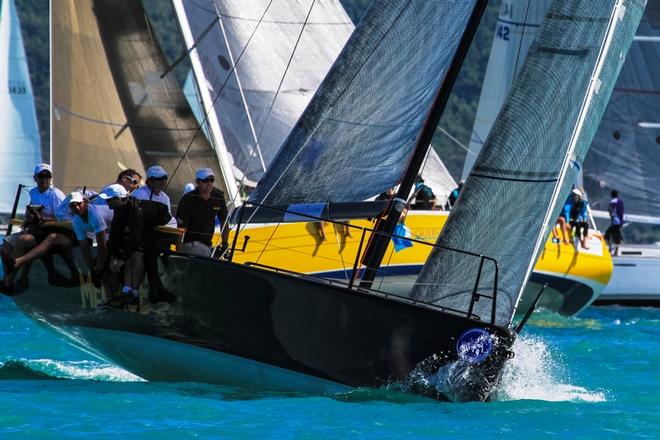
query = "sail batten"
x=543 y=131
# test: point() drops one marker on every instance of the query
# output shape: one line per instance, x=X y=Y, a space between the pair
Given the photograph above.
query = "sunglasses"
x=44 y=176
x=159 y=179
x=207 y=180
x=132 y=180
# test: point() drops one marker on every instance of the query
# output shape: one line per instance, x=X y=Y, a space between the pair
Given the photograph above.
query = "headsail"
x=357 y=135
x=517 y=26
x=251 y=46
x=531 y=155
x=20 y=146
x=625 y=153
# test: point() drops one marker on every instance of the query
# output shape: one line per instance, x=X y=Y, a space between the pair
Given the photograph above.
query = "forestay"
x=532 y=155
x=356 y=137
x=625 y=153
x=20 y=148
x=518 y=25
x=265 y=60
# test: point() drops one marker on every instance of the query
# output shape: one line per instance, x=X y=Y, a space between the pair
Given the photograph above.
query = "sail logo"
x=17 y=87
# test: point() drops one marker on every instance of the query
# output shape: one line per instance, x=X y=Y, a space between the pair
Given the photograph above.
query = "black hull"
x=312 y=328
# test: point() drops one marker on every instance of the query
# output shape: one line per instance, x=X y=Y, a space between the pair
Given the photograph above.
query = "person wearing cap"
x=135 y=242
x=613 y=235
x=153 y=190
x=424 y=197
x=197 y=213
x=38 y=240
x=579 y=216
x=91 y=219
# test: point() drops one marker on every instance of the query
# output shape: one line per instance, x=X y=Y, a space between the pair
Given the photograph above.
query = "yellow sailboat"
x=574 y=276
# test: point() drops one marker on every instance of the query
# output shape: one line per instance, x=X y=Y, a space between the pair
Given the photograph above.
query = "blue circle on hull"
x=475 y=345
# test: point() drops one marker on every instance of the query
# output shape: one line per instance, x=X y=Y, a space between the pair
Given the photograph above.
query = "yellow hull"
x=575 y=278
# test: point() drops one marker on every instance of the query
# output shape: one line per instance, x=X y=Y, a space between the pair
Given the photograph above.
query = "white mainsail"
x=257 y=68
x=20 y=145
x=531 y=157
x=517 y=27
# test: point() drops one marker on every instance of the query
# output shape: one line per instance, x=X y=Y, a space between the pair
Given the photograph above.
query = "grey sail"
x=518 y=24
x=20 y=148
x=357 y=134
x=531 y=156
x=625 y=153
x=257 y=68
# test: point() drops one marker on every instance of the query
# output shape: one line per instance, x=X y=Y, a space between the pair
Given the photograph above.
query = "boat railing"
x=365 y=234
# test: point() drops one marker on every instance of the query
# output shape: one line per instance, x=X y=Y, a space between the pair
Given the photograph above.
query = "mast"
x=380 y=238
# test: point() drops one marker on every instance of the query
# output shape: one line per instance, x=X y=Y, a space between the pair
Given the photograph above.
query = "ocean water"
x=593 y=376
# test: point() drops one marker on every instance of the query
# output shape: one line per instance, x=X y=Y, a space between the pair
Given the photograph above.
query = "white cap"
x=112 y=191
x=76 y=197
x=577 y=191
x=203 y=173
x=156 y=171
x=43 y=167
x=189 y=187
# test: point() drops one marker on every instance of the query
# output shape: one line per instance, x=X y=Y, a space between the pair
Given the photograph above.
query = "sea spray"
x=537 y=372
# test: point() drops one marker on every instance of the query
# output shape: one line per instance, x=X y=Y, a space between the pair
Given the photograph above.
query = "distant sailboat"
x=20 y=145
x=625 y=155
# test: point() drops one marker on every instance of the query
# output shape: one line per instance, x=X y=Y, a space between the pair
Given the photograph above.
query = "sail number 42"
x=502 y=31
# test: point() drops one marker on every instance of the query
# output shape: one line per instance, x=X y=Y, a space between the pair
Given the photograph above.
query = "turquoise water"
x=595 y=376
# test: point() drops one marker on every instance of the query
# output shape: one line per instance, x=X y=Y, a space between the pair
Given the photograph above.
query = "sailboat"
x=20 y=145
x=572 y=279
x=624 y=156
x=256 y=326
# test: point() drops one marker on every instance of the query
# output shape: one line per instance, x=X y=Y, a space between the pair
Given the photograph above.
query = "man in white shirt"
x=153 y=190
x=91 y=218
x=39 y=238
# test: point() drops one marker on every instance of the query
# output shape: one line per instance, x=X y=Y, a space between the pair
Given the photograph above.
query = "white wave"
x=81 y=370
x=535 y=373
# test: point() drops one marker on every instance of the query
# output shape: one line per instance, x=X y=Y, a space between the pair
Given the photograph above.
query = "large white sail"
x=517 y=27
x=357 y=135
x=258 y=65
x=531 y=157
x=20 y=146
x=625 y=153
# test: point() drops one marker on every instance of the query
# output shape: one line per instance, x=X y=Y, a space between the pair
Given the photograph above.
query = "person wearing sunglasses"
x=38 y=239
x=197 y=213
x=129 y=179
x=153 y=190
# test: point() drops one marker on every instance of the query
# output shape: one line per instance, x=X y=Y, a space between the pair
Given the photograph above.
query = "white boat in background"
x=20 y=145
x=636 y=277
x=625 y=156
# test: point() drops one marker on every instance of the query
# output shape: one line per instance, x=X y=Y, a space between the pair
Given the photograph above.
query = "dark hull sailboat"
x=252 y=327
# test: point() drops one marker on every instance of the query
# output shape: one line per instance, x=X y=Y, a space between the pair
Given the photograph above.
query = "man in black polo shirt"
x=197 y=212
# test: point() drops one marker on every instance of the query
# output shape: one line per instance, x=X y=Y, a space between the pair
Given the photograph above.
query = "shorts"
x=196 y=248
x=613 y=234
x=581 y=229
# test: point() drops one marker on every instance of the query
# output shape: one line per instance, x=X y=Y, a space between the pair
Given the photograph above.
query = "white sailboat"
x=625 y=156
x=20 y=145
